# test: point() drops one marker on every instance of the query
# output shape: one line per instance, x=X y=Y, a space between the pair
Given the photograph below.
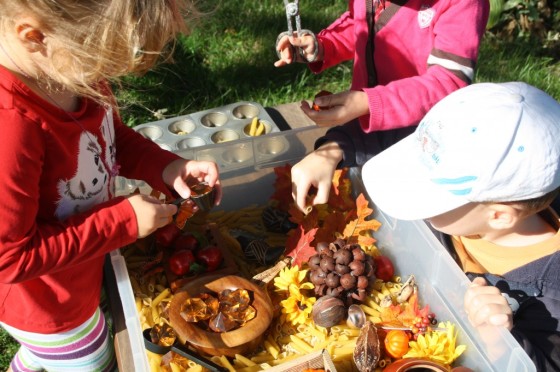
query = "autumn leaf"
x=357 y=230
x=332 y=224
x=283 y=187
x=340 y=196
x=298 y=245
x=308 y=221
x=412 y=310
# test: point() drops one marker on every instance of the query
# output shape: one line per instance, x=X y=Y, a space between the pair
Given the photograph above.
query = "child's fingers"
x=491 y=312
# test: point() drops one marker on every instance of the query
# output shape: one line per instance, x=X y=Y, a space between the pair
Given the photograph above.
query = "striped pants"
x=87 y=347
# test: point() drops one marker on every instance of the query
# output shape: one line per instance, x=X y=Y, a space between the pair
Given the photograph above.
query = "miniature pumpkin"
x=396 y=343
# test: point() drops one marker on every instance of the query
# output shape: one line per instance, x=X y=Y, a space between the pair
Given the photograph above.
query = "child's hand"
x=287 y=48
x=151 y=213
x=485 y=304
x=317 y=170
x=343 y=107
x=181 y=172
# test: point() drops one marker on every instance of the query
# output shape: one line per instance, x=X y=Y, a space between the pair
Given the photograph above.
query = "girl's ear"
x=503 y=216
x=30 y=36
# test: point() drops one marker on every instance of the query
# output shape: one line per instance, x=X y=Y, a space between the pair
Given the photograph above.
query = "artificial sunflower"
x=291 y=276
x=296 y=309
x=438 y=346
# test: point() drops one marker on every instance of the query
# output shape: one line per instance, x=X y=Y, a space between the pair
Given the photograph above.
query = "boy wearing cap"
x=483 y=168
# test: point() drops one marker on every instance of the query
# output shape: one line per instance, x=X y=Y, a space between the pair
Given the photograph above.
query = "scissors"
x=292 y=11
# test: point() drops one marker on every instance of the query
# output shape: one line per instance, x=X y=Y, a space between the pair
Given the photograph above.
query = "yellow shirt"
x=481 y=256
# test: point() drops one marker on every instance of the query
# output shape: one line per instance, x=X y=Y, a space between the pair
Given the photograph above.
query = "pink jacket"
x=423 y=50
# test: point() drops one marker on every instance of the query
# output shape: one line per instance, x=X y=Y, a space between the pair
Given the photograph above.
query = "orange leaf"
x=298 y=245
x=360 y=226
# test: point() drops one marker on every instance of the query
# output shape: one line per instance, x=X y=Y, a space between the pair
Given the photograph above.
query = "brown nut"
x=317 y=277
x=314 y=262
x=321 y=247
x=347 y=281
x=328 y=311
x=342 y=256
x=358 y=253
x=357 y=267
x=363 y=282
x=332 y=280
x=341 y=269
x=327 y=264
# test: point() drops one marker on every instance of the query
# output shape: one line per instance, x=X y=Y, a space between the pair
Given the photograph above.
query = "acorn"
x=328 y=311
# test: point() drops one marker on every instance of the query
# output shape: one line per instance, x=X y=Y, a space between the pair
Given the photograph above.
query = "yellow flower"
x=439 y=346
x=297 y=308
x=291 y=276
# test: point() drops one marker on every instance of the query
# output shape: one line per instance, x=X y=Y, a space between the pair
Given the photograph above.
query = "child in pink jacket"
x=420 y=51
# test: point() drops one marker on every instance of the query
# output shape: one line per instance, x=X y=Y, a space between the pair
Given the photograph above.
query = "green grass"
x=229 y=57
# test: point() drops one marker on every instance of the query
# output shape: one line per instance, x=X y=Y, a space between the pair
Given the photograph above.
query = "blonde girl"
x=62 y=145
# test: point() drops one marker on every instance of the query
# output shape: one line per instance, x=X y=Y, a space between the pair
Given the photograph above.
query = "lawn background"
x=229 y=57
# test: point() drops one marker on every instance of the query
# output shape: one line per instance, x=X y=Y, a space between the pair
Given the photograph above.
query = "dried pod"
x=358 y=253
x=314 y=261
x=321 y=247
x=363 y=282
x=347 y=281
x=327 y=264
x=342 y=257
x=332 y=280
x=341 y=269
x=357 y=267
x=407 y=289
x=328 y=311
x=368 y=349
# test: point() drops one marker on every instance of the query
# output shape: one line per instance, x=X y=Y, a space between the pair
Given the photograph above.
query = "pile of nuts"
x=341 y=274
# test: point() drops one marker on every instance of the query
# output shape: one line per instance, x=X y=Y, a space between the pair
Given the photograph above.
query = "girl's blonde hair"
x=92 y=41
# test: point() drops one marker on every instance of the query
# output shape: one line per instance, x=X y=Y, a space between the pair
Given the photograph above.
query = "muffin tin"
x=214 y=126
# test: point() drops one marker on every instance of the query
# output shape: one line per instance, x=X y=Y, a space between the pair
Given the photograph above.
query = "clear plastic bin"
x=411 y=246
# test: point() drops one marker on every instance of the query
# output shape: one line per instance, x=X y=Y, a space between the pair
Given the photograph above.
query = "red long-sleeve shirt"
x=58 y=216
x=423 y=50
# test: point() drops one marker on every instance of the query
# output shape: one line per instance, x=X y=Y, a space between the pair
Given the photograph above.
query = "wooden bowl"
x=238 y=341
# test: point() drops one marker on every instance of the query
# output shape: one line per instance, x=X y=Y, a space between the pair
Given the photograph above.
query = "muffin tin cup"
x=210 y=127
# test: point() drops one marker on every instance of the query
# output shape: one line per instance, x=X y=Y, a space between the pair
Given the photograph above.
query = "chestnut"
x=357 y=267
x=328 y=311
x=332 y=280
x=327 y=264
x=342 y=257
x=347 y=281
x=341 y=269
x=314 y=262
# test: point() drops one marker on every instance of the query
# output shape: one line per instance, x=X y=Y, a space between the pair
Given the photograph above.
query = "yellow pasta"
x=343 y=352
x=272 y=349
x=223 y=361
x=164 y=294
x=369 y=311
x=244 y=360
x=299 y=344
x=194 y=368
x=258 y=359
x=260 y=129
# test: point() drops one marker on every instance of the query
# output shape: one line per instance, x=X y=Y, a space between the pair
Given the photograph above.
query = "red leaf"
x=299 y=246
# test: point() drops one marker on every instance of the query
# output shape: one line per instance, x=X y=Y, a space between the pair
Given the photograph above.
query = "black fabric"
x=535 y=287
x=357 y=146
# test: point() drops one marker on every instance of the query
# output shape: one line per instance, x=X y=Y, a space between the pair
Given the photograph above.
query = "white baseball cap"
x=486 y=142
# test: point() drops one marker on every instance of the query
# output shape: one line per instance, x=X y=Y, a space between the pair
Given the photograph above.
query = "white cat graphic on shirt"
x=91 y=183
